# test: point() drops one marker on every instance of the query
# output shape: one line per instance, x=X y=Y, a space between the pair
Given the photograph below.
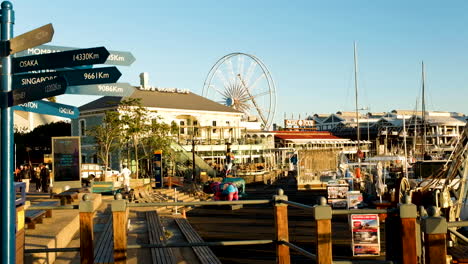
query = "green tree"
x=107 y=135
x=135 y=126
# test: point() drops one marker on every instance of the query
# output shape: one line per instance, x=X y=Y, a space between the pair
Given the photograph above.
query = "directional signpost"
x=74 y=77
x=120 y=58
x=32 y=38
x=38 y=91
x=107 y=89
x=49 y=108
x=23 y=88
x=62 y=59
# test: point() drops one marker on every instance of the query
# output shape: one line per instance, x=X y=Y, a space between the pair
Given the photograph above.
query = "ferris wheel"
x=243 y=82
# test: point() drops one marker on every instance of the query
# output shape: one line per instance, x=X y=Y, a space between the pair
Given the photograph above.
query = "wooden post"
x=119 y=222
x=435 y=231
x=408 y=214
x=86 y=230
x=323 y=241
x=281 y=226
x=20 y=234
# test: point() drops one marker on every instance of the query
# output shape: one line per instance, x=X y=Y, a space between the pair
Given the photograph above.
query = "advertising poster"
x=66 y=158
x=337 y=195
x=354 y=199
x=157 y=168
x=366 y=235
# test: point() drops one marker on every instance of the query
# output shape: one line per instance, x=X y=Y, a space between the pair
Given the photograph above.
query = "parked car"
x=92 y=171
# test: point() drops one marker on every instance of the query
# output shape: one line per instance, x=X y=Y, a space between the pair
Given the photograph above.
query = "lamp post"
x=193 y=159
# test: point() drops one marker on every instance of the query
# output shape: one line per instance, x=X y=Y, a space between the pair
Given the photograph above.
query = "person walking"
x=37 y=178
x=45 y=177
x=26 y=176
x=126 y=177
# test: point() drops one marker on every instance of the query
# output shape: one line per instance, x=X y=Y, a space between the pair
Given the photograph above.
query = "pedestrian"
x=26 y=174
x=37 y=178
x=126 y=177
x=45 y=177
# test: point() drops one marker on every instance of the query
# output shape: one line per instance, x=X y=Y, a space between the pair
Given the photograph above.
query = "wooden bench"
x=157 y=237
x=104 y=247
x=204 y=253
x=66 y=197
x=104 y=187
x=35 y=216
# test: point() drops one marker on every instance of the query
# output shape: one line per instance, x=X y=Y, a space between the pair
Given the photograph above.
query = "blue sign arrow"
x=62 y=59
x=106 y=89
x=38 y=91
x=49 y=108
x=73 y=77
x=121 y=58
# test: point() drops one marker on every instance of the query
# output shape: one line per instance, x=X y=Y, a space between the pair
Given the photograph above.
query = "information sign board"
x=366 y=234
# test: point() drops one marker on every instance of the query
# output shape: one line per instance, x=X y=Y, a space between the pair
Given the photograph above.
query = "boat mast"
x=357 y=108
x=423 y=114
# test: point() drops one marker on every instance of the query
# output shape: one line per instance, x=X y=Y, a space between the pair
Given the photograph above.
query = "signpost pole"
x=6 y=183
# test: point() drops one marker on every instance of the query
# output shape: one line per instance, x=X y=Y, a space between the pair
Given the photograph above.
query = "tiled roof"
x=169 y=100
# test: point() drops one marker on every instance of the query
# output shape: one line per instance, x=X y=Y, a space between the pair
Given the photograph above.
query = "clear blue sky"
x=307 y=46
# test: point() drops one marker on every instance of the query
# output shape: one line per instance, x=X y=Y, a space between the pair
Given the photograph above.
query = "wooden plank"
x=157 y=236
x=86 y=237
x=204 y=253
x=104 y=245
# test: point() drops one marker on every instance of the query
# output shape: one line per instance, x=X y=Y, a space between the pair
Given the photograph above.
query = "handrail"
x=199 y=203
x=299 y=249
x=457 y=224
x=363 y=262
x=49 y=250
x=202 y=244
x=459 y=235
x=361 y=211
x=61 y=207
x=297 y=205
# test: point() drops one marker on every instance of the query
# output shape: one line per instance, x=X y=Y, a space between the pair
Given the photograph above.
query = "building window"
x=82 y=127
x=182 y=128
x=214 y=125
x=95 y=159
x=83 y=158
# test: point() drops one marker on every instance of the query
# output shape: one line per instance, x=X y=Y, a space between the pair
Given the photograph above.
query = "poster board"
x=66 y=156
x=366 y=234
x=336 y=194
x=354 y=198
x=157 y=168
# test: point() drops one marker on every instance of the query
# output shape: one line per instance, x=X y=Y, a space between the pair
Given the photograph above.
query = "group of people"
x=39 y=175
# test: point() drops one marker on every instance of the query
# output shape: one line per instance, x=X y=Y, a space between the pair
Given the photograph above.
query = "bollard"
x=281 y=226
x=408 y=214
x=119 y=222
x=323 y=243
x=86 y=230
x=435 y=232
